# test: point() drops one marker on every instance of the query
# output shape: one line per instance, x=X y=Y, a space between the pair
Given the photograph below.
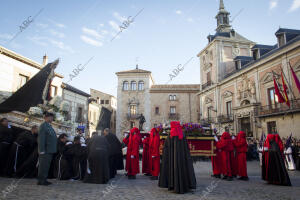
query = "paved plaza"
x=142 y=188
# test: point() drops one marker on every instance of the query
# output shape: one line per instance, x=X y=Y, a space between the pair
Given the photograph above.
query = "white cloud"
x=57 y=24
x=61 y=45
x=44 y=41
x=91 y=41
x=39 y=40
x=6 y=36
x=104 y=32
x=273 y=4
x=58 y=34
x=295 y=5
x=42 y=25
x=114 y=25
x=190 y=19
x=92 y=32
x=101 y=25
x=178 y=12
x=119 y=17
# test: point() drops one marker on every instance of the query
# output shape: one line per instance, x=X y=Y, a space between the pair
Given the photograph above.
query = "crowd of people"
x=40 y=154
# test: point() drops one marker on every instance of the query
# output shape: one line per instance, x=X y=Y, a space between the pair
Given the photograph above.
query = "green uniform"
x=47 y=146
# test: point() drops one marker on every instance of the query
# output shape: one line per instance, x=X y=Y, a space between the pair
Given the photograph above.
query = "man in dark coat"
x=177 y=171
x=98 y=161
x=21 y=148
x=78 y=152
x=47 y=146
x=273 y=167
x=6 y=139
x=62 y=166
x=116 y=156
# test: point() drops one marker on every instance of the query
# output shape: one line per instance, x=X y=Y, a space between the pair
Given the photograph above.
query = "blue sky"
x=165 y=34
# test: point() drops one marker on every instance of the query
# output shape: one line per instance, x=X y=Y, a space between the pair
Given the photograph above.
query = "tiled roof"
x=133 y=71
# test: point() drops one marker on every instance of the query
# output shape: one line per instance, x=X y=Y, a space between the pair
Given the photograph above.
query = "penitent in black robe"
x=19 y=151
x=98 y=161
x=177 y=171
x=277 y=173
x=29 y=167
x=116 y=156
x=62 y=169
x=79 y=160
x=6 y=139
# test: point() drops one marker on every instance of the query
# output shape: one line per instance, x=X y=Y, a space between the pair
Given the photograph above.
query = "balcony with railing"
x=131 y=116
x=278 y=109
x=225 y=118
x=173 y=116
x=208 y=120
x=206 y=85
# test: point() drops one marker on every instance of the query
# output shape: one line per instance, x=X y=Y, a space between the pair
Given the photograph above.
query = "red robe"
x=241 y=146
x=216 y=162
x=132 y=164
x=154 y=143
x=146 y=157
x=226 y=145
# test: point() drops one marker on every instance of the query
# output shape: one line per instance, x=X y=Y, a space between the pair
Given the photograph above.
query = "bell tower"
x=222 y=17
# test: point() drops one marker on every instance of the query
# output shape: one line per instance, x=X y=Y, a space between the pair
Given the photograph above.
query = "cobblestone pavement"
x=144 y=189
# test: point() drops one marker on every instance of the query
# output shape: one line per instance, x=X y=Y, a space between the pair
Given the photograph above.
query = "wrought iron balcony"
x=174 y=116
x=278 y=109
x=225 y=118
x=208 y=120
x=206 y=85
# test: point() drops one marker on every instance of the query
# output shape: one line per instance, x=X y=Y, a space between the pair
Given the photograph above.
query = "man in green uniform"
x=47 y=143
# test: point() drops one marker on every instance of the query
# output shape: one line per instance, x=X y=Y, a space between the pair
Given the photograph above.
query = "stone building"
x=16 y=70
x=78 y=113
x=99 y=100
x=237 y=89
x=137 y=94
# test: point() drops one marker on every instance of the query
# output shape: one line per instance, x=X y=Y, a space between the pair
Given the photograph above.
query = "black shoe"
x=218 y=176
x=154 y=178
x=147 y=174
x=225 y=177
x=46 y=183
x=131 y=177
x=229 y=178
x=244 y=178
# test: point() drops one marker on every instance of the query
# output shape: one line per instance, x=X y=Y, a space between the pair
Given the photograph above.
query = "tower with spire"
x=223 y=23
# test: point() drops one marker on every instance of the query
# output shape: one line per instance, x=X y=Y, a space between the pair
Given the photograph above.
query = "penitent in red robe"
x=226 y=145
x=216 y=161
x=132 y=164
x=154 y=152
x=241 y=146
x=146 y=157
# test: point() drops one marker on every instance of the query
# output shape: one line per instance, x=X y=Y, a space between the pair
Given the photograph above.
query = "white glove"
x=132 y=156
x=42 y=153
x=288 y=150
x=83 y=145
x=153 y=156
x=82 y=140
x=232 y=137
x=126 y=134
x=266 y=149
x=68 y=143
x=216 y=139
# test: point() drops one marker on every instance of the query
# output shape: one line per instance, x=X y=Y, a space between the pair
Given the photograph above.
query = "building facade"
x=237 y=87
x=139 y=95
x=106 y=100
x=78 y=113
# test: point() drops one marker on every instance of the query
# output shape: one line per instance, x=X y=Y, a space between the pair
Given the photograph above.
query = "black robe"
x=62 y=169
x=6 y=139
x=177 y=170
x=29 y=168
x=277 y=173
x=98 y=161
x=116 y=155
x=78 y=160
x=19 y=151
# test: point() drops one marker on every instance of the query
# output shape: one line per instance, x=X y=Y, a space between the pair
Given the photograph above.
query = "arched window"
x=172 y=97
x=141 y=85
x=125 y=85
x=133 y=85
